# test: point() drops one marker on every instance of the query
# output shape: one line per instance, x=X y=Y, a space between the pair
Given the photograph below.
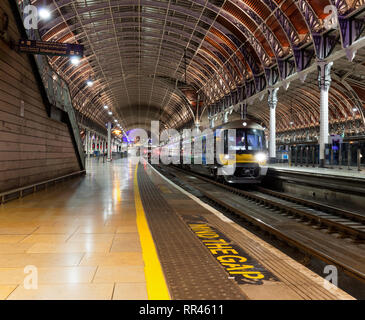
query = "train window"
x=240 y=140
x=255 y=140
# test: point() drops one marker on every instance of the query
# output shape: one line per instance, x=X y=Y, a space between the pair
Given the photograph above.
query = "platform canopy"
x=150 y=59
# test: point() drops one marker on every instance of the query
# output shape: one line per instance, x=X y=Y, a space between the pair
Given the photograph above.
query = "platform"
x=335 y=171
x=123 y=232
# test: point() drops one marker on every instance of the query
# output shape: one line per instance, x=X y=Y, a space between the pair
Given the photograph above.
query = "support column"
x=324 y=83
x=109 y=142
x=273 y=101
x=91 y=144
x=88 y=143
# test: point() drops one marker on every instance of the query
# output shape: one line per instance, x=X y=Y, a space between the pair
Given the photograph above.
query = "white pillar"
x=324 y=82
x=273 y=101
x=109 y=141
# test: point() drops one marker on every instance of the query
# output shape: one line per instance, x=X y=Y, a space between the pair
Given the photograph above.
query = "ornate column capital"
x=324 y=74
x=273 y=97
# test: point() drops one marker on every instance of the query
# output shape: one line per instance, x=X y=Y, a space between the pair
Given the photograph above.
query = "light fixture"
x=89 y=83
x=115 y=120
x=106 y=107
x=261 y=157
x=110 y=113
x=354 y=109
x=44 y=14
x=75 y=60
x=244 y=124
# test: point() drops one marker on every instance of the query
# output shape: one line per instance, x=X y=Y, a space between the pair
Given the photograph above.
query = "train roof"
x=240 y=124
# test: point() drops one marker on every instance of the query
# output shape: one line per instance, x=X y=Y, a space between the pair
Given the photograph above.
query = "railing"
x=349 y=156
x=58 y=92
x=20 y=192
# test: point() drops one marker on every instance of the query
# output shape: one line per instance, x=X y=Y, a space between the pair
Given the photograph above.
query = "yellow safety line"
x=155 y=280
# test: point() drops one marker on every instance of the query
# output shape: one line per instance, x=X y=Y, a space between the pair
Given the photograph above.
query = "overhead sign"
x=51 y=48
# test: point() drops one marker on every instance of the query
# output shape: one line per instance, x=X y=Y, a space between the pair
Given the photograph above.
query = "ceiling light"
x=75 y=60
x=110 y=113
x=106 y=107
x=115 y=120
x=354 y=109
x=89 y=83
x=44 y=14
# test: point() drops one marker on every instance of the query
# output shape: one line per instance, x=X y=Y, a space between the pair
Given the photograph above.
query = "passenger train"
x=248 y=147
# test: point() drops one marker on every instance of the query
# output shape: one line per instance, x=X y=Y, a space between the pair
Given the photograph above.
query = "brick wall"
x=33 y=147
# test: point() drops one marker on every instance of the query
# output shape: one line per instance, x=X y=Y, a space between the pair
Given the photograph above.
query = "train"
x=249 y=148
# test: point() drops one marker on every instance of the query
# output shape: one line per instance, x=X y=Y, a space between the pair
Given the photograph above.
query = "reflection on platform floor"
x=81 y=236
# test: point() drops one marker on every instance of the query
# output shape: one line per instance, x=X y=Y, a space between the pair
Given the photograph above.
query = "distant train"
x=249 y=146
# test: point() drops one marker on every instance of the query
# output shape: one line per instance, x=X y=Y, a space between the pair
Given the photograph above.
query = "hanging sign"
x=51 y=48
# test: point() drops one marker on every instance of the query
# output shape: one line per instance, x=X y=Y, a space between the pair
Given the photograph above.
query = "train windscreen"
x=249 y=140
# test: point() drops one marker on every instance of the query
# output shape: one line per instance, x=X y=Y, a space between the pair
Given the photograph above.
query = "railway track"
x=343 y=223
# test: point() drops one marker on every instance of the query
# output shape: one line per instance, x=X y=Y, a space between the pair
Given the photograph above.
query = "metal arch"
x=218 y=57
x=254 y=43
x=84 y=30
x=146 y=55
x=116 y=4
x=300 y=107
x=231 y=71
x=284 y=21
x=270 y=37
x=76 y=82
x=355 y=96
x=315 y=97
x=332 y=105
x=231 y=49
x=211 y=58
x=88 y=9
x=335 y=98
x=183 y=98
x=197 y=39
x=309 y=16
x=306 y=103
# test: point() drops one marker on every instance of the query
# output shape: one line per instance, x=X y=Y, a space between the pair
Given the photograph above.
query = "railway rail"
x=344 y=223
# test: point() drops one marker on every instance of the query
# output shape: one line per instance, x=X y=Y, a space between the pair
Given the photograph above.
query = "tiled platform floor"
x=81 y=236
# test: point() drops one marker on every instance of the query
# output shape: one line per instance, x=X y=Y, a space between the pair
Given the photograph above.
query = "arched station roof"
x=150 y=59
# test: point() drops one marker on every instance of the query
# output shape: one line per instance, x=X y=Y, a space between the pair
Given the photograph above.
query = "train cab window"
x=238 y=143
x=255 y=140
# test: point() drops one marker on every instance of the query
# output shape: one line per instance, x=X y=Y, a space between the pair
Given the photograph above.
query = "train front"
x=248 y=147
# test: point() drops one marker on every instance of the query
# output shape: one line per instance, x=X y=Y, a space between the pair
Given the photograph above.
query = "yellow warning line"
x=155 y=280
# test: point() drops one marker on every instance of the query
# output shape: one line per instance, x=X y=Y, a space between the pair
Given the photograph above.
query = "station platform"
x=126 y=232
x=335 y=171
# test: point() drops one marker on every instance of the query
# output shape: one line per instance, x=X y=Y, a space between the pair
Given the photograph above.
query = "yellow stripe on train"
x=240 y=158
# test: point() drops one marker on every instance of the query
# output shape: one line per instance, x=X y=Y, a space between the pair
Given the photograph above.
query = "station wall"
x=33 y=147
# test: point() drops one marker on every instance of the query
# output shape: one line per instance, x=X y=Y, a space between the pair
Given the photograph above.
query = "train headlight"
x=261 y=157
